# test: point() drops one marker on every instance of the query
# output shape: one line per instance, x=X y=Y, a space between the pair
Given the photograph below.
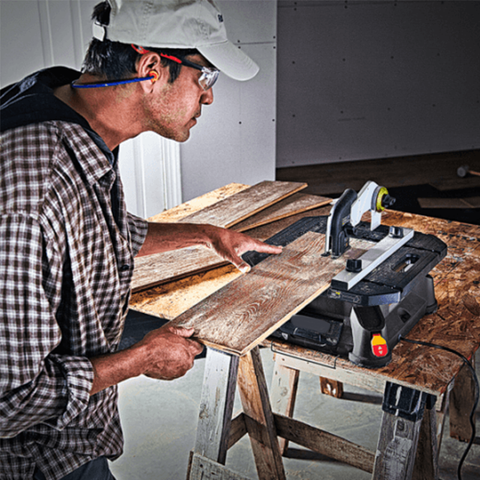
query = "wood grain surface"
x=152 y=270
x=242 y=205
x=222 y=208
x=297 y=203
x=187 y=208
x=156 y=269
x=171 y=299
x=242 y=314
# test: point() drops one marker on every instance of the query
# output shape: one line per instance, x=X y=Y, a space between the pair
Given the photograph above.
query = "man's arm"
x=228 y=244
x=165 y=354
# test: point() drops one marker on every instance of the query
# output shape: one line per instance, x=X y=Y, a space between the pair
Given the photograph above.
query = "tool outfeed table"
x=234 y=314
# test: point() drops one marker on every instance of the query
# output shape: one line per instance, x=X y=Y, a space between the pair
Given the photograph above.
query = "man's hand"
x=230 y=245
x=165 y=354
x=170 y=352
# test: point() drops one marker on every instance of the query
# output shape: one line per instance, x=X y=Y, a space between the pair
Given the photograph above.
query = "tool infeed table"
x=234 y=314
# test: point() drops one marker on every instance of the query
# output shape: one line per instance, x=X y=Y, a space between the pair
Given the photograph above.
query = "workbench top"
x=221 y=303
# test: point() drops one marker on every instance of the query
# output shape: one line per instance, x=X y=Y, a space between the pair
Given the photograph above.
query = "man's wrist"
x=111 y=369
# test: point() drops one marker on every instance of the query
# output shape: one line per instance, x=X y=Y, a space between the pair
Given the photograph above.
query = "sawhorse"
x=408 y=426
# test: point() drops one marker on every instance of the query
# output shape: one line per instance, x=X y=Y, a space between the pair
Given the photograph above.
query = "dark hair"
x=115 y=60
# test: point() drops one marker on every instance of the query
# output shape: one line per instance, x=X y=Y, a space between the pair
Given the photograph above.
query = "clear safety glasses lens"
x=208 y=78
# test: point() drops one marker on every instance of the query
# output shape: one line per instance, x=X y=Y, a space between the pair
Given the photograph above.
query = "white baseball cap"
x=192 y=24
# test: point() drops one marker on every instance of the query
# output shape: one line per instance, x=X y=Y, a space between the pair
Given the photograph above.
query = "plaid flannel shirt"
x=66 y=262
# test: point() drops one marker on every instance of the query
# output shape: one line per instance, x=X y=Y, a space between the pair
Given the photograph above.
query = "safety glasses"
x=206 y=80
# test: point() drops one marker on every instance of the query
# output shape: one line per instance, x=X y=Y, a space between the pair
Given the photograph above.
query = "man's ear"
x=150 y=64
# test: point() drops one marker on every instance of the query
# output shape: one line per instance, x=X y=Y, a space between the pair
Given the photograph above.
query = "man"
x=67 y=243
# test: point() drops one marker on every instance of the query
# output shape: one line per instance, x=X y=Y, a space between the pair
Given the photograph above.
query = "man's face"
x=173 y=108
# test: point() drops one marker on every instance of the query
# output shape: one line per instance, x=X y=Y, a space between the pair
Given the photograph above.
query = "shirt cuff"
x=138 y=232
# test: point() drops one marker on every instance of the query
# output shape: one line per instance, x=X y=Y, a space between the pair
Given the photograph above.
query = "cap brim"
x=230 y=60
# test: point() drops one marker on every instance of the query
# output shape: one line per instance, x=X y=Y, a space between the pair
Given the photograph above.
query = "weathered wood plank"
x=202 y=468
x=238 y=430
x=297 y=203
x=396 y=448
x=174 y=298
x=325 y=443
x=259 y=420
x=187 y=208
x=169 y=300
x=461 y=403
x=244 y=204
x=243 y=313
x=153 y=270
x=441 y=409
x=426 y=459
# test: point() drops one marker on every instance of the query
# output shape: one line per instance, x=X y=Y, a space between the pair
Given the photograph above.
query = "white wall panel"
x=150 y=170
x=21 y=49
x=371 y=79
x=41 y=33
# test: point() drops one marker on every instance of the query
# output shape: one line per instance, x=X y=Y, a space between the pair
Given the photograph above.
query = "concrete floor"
x=159 y=421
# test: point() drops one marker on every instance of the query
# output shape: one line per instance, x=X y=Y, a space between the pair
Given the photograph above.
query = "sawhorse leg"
x=461 y=403
x=259 y=417
x=283 y=395
x=215 y=419
x=408 y=433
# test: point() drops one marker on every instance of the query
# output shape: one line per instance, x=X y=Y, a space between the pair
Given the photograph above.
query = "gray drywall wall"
x=373 y=79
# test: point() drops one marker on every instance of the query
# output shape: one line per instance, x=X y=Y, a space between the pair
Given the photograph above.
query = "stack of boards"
x=235 y=206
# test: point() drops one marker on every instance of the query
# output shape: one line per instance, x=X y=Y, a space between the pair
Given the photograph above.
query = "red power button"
x=379 y=345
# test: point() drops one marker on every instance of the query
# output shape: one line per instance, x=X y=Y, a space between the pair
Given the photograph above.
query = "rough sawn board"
x=187 y=208
x=245 y=312
x=152 y=270
x=299 y=202
x=244 y=204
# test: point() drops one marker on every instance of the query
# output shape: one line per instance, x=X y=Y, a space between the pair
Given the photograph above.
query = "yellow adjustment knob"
x=381 y=193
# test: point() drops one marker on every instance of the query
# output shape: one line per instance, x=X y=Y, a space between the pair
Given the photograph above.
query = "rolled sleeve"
x=138 y=232
x=77 y=383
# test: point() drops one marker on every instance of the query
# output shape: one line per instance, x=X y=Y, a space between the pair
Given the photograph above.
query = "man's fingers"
x=194 y=346
x=244 y=267
x=266 y=248
x=261 y=247
x=181 y=331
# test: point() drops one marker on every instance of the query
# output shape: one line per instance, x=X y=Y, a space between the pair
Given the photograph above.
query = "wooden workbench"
x=206 y=302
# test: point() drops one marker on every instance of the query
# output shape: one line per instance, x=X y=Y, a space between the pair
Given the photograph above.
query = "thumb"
x=244 y=267
x=182 y=331
x=240 y=263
